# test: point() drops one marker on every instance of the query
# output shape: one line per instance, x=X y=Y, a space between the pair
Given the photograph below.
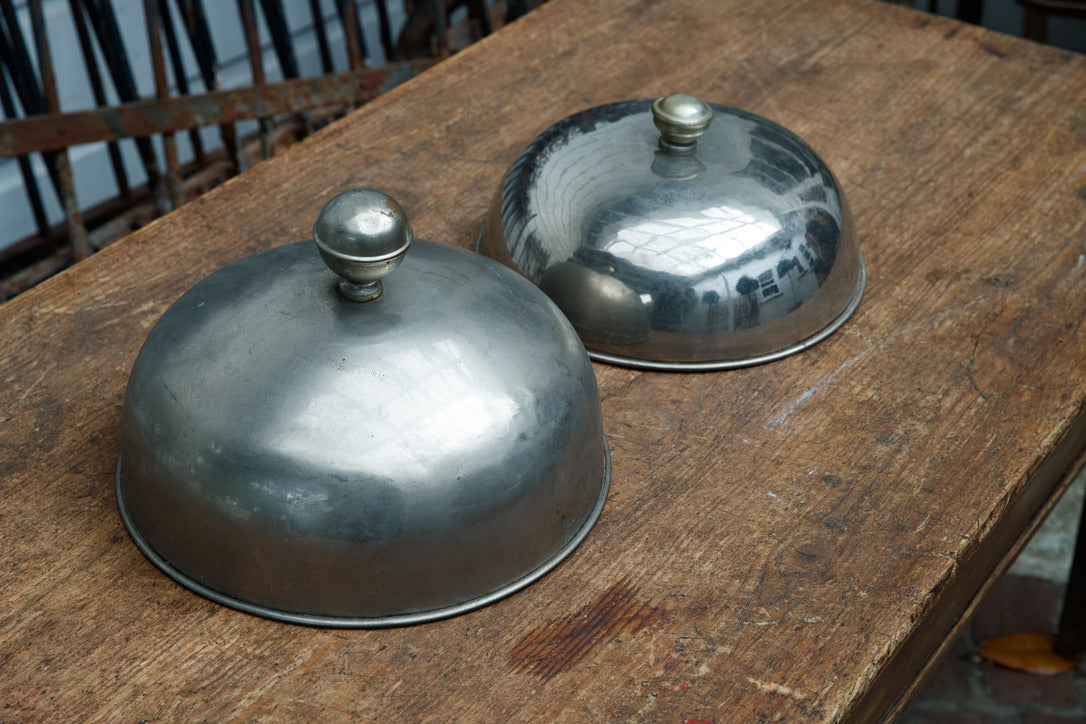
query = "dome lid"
x=679 y=234
x=387 y=447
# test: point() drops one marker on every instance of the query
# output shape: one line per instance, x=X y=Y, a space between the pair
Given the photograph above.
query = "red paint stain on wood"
x=664 y=693
x=562 y=644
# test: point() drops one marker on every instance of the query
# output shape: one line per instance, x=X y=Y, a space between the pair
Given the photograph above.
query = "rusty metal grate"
x=284 y=110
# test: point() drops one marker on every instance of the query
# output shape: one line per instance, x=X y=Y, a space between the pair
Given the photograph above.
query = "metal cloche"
x=680 y=235
x=385 y=447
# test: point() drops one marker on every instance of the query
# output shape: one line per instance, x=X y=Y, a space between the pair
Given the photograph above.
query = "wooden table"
x=795 y=541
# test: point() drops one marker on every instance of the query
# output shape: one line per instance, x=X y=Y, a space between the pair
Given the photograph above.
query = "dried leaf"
x=1028 y=652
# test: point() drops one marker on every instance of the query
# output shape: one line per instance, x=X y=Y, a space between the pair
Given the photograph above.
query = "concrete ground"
x=966 y=689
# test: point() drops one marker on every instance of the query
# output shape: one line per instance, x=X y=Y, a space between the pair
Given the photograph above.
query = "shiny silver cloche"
x=680 y=235
x=382 y=447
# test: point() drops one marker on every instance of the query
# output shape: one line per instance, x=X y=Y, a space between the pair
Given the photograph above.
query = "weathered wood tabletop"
x=792 y=541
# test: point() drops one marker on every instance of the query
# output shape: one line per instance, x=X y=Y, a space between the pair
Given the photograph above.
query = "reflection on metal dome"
x=679 y=234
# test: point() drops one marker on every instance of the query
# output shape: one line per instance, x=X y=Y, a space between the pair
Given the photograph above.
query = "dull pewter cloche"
x=413 y=438
x=680 y=235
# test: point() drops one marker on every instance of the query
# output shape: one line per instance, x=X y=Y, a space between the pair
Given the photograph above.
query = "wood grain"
x=789 y=542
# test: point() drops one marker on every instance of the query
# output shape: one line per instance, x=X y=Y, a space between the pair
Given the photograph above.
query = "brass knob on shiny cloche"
x=681 y=118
